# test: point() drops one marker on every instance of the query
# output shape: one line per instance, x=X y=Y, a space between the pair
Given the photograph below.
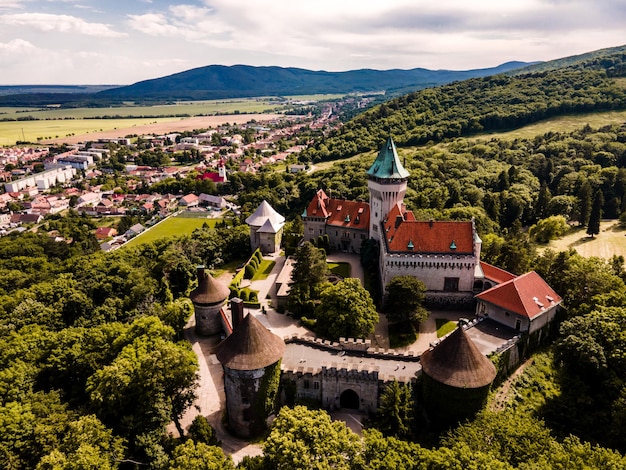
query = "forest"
x=93 y=366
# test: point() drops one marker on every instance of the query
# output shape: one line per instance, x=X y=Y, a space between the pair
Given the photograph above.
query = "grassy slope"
x=610 y=241
x=173 y=226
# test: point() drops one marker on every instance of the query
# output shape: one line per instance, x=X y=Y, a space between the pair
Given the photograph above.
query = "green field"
x=561 y=124
x=171 y=227
x=30 y=131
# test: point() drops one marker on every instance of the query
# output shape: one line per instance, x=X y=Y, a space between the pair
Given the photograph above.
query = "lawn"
x=444 y=326
x=610 y=241
x=264 y=270
x=339 y=269
x=170 y=227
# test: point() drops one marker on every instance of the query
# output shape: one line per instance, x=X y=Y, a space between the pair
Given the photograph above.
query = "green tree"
x=200 y=456
x=149 y=383
x=301 y=439
x=593 y=227
x=548 y=229
x=584 y=208
x=346 y=310
x=395 y=414
x=201 y=431
x=309 y=273
x=405 y=299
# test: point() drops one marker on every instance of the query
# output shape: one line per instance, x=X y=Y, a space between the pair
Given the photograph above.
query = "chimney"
x=398 y=220
x=430 y=223
x=201 y=274
x=236 y=311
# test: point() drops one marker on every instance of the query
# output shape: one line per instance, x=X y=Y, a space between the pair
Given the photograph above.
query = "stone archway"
x=349 y=399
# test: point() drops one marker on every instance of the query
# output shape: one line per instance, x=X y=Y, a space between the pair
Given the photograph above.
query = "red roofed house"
x=345 y=222
x=190 y=200
x=525 y=303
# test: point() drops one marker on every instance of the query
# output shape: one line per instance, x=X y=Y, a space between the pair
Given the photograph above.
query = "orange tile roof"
x=339 y=212
x=527 y=295
x=405 y=234
x=495 y=274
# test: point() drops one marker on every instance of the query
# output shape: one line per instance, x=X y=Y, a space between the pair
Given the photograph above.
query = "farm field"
x=610 y=241
x=170 y=227
x=56 y=131
x=190 y=108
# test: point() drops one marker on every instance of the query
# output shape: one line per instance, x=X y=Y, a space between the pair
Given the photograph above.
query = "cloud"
x=59 y=23
x=16 y=46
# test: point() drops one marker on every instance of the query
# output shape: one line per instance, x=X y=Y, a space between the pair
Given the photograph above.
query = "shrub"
x=250 y=271
x=253 y=297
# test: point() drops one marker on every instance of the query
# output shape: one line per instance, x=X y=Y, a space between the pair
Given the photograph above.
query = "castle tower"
x=251 y=358
x=266 y=228
x=208 y=299
x=456 y=379
x=386 y=181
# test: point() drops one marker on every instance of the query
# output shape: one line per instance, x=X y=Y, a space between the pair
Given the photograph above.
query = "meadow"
x=171 y=227
x=610 y=241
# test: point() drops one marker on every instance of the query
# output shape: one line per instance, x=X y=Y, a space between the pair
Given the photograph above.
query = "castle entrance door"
x=349 y=399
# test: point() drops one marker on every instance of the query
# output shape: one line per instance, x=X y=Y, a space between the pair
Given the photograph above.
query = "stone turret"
x=251 y=358
x=457 y=377
x=208 y=299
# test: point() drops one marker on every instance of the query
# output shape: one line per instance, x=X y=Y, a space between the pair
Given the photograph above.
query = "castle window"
x=316 y=385
x=451 y=284
x=307 y=384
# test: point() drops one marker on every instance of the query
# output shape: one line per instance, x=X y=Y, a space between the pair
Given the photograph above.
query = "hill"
x=499 y=102
x=220 y=82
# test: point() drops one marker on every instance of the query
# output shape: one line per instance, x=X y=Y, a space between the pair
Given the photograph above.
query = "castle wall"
x=269 y=242
x=346 y=239
x=313 y=228
x=432 y=270
x=208 y=319
x=241 y=389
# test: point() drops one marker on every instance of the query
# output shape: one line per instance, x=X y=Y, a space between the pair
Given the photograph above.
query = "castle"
x=352 y=374
x=445 y=255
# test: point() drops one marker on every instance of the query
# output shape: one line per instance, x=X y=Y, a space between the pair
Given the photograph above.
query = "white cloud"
x=59 y=23
x=16 y=46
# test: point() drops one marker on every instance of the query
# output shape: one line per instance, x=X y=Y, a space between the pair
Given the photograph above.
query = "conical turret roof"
x=250 y=347
x=457 y=362
x=263 y=213
x=387 y=164
x=209 y=291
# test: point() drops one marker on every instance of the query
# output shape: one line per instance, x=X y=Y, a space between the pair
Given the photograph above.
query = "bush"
x=258 y=255
x=201 y=431
x=243 y=295
x=308 y=323
x=250 y=271
x=253 y=297
x=234 y=292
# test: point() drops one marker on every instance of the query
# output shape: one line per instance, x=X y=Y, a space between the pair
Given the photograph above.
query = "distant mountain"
x=218 y=81
x=47 y=89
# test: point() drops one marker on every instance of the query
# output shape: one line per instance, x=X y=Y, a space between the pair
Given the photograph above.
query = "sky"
x=125 y=41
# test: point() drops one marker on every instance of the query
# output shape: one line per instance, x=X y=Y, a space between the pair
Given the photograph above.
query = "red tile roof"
x=405 y=234
x=527 y=295
x=339 y=212
x=495 y=274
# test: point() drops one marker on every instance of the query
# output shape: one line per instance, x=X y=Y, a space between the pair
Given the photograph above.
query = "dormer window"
x=347 y=219
x=453 y=245
x=410 y=245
